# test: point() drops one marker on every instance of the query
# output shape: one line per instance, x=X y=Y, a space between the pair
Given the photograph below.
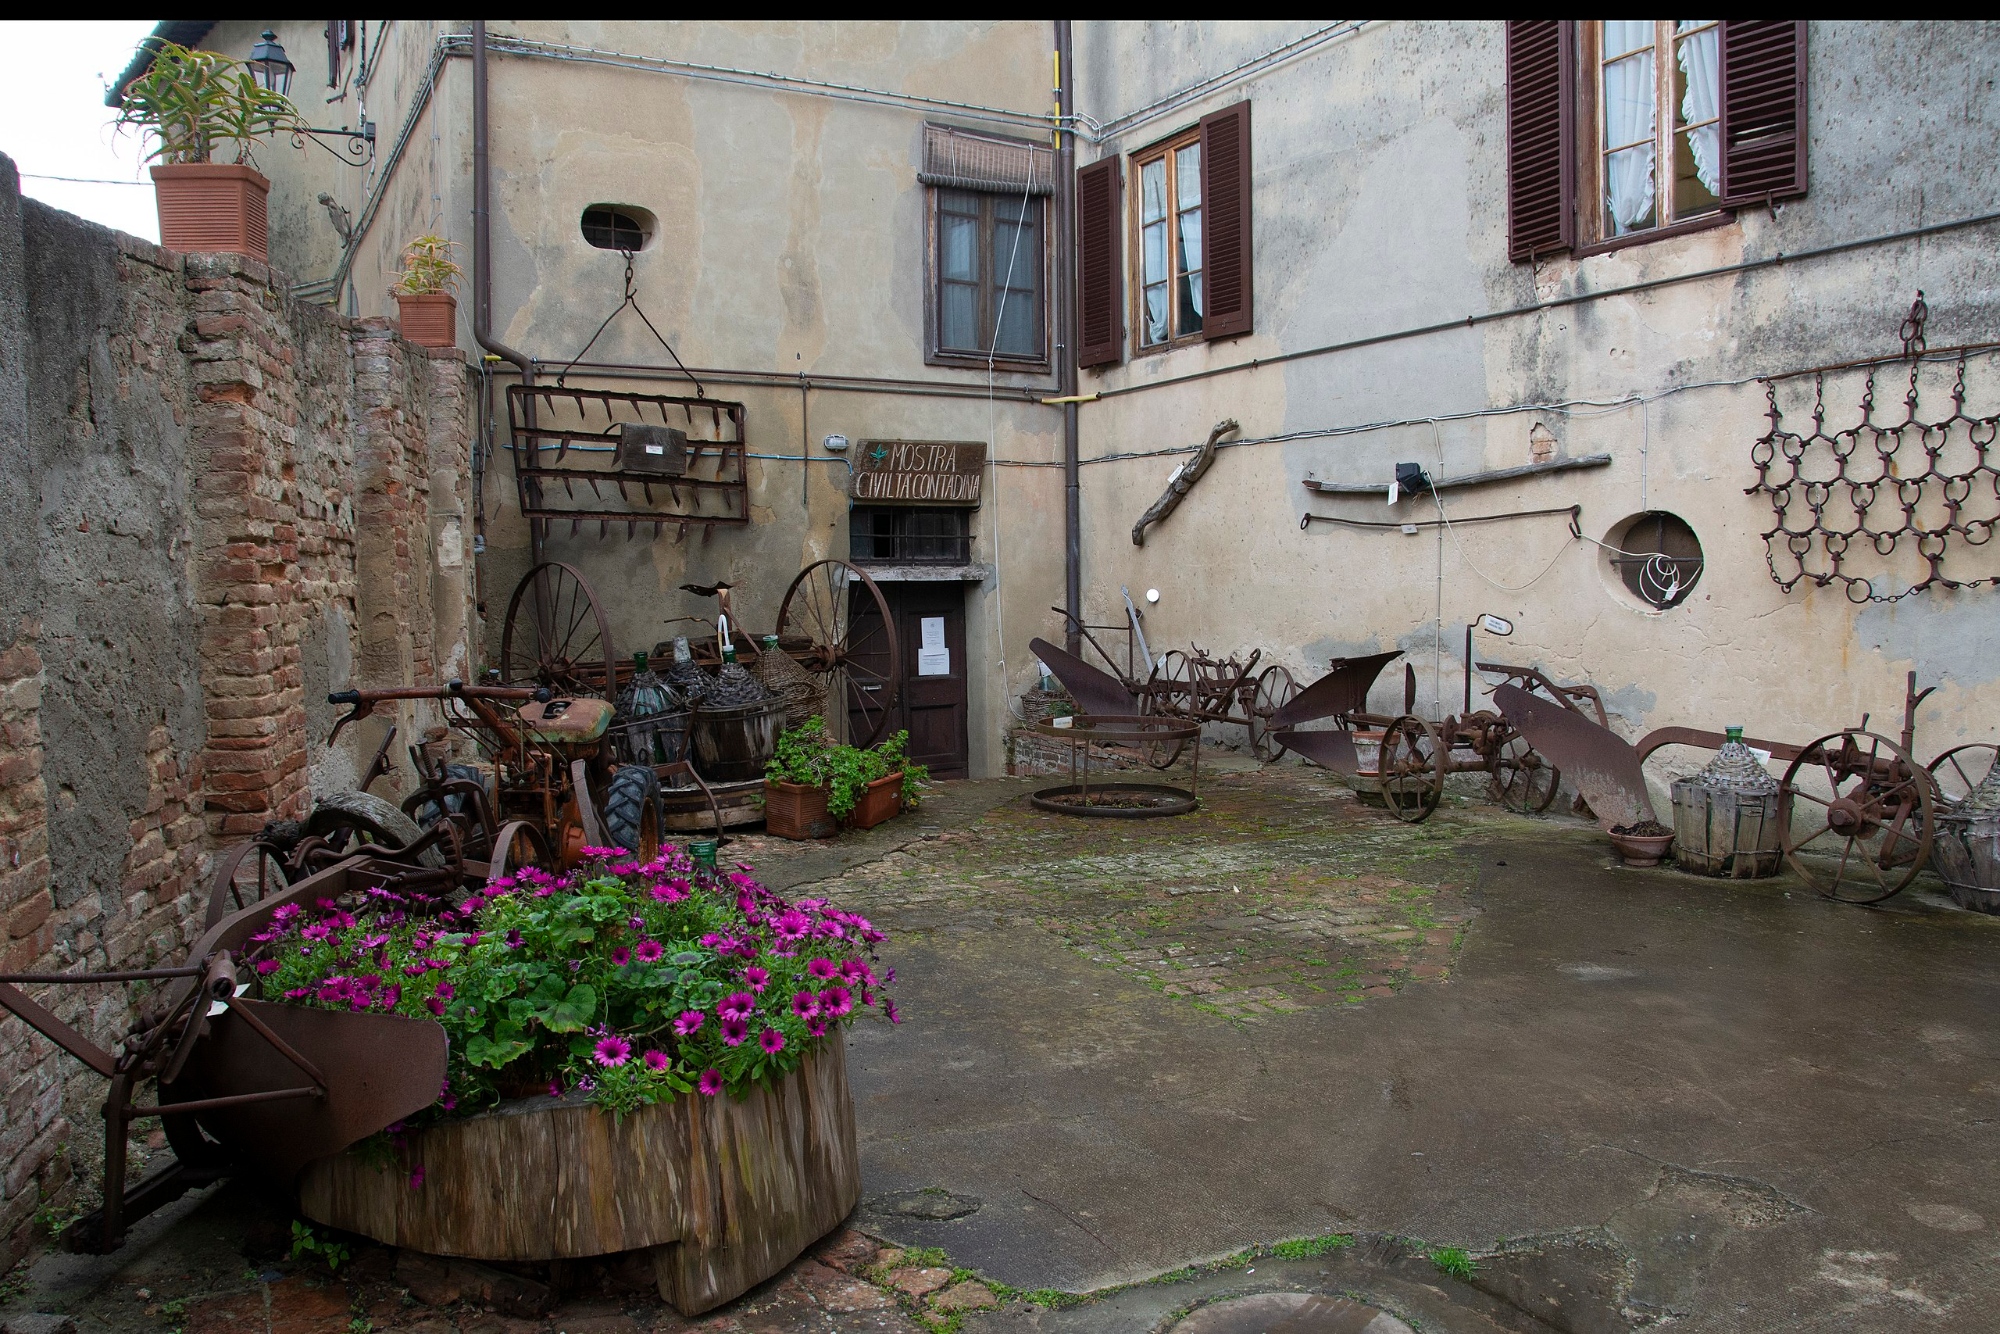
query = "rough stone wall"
x=217 y=505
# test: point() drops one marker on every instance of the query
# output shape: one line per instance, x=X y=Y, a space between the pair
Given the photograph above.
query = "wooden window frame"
x=1163 y=149
x=1592 y=231
x=935 y=353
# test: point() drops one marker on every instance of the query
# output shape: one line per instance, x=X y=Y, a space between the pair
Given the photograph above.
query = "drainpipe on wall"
x=482 y=237
x=1066 y=334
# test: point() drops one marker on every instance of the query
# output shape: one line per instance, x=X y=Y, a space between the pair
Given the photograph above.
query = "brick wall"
x=227 y=504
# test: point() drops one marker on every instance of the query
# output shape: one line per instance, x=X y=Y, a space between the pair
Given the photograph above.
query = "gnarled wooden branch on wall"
x=1181 y=482
x=724 y=1193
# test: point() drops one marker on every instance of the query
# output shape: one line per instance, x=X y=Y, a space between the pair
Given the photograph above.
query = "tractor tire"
x=427 y=814
x=630 y=798
x=371 y=820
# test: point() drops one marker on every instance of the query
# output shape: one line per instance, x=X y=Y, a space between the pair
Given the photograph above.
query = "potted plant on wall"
x=196 y=105
x=428 y=310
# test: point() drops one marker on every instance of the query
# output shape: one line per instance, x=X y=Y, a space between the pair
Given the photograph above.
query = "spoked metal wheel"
x=1412 y=769
x=836 y=624
x=1960 y=769
x=517 y=845
x=556 y=635
x=1274 y=690
x=248 y=874
x=1169 y=694
x=1859 y=815
x=1522 y=780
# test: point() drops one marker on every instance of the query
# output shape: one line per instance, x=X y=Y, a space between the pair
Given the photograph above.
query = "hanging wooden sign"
x=919 y=472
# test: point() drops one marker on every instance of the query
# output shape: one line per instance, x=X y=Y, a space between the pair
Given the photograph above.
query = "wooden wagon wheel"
x=1273 y=691
x=1876 y=823
x=1412 y=768
x=1521 y=779
x=1960 y=769
x=556 y=635
x=248 y=874
x=1170 y=693
x=852 y=654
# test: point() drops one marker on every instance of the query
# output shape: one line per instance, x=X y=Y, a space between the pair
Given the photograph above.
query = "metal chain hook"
x=1913 y=326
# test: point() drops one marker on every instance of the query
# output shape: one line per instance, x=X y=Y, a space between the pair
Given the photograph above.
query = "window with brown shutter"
x=1541 y=134
x=1763 y=110
x=1225 y=208
x=1099 y=286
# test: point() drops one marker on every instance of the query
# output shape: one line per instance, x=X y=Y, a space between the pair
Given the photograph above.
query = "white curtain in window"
x=1700 y=59
x=1629 y=118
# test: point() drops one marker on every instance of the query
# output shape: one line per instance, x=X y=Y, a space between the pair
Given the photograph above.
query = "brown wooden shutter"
x=1225 y=216
x=1541 y=137
x=1763 y=110
x=1100 y=291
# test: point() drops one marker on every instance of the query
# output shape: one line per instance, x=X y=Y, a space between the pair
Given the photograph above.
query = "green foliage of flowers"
x=1452 y=1261
x=1306 y=1248
x=806 y=754
x=428 y=267
x=306 y=1242
x=193 y=103
x=625 y=982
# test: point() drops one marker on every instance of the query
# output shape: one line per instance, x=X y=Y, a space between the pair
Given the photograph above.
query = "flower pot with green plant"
x=196 y=107
x=796 y=783
x=428 y=309
x=888 y=783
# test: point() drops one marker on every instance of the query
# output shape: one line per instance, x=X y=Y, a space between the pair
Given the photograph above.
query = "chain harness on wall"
x=1847 y=493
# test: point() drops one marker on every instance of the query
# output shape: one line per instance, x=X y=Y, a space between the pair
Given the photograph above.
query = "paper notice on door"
x=933 y=658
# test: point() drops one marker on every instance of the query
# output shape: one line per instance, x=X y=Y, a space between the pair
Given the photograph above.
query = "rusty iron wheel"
x=1412 y=769
x=1170 y=693
x=851 y=651
x=556 y=635
x=1869 y=835
x=1274 y=690
x=1960 y=769
x=518 y=845
x=248 y=874
x=1522 y=780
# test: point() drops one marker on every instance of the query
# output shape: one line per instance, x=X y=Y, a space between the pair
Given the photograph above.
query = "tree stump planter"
x=723 y=1193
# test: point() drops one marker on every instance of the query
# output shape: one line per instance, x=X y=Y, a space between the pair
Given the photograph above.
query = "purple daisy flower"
x=620 y=956
x=711 y=1083
x=417 y=1177
x=649 y=951
x=689 y=1022
x=613 y=1052
x=772 y=1041
x=734 y=1031
x=823 y=970
x=515 y=940
x=656 y=1060
x=816 y=1027
x=805 y=1005
x=756 y=978
x=737 y=1005
x=836 y=1000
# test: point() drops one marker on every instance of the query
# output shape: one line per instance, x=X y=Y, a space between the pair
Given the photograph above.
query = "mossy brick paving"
x=1282 y=892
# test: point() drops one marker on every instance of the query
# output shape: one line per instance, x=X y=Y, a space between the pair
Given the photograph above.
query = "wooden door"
x=931 y=704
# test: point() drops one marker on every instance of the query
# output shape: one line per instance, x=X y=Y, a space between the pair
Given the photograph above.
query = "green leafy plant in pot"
x=198 y=107
x=859 y=787
x=428 y=309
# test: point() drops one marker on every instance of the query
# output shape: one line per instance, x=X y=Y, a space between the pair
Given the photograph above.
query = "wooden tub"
x=724 y=1193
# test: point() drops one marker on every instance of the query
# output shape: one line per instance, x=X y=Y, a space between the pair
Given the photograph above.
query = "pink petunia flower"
x=649 y=951
x=805 y=1005
x=689 y=1022
x=656 y=1059
x=772 y=1041
x=613 y=1052
x=711 y=1083
x=734 y=1031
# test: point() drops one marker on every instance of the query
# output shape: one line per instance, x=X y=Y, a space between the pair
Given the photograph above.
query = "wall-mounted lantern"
x=270 y=66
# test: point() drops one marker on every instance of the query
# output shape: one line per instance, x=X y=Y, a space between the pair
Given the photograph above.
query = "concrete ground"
x=1471 y=1074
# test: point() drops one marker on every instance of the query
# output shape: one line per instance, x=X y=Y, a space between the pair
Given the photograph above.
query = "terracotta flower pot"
x=879 y=801
x=208 y=207
x=794 y=810
x=429 y=320
x=1642 y=849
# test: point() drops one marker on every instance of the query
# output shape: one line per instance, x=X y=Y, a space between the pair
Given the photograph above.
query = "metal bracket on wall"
x=1313 y=483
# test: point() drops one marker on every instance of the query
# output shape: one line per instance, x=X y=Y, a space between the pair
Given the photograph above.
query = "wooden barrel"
x=724 y=1193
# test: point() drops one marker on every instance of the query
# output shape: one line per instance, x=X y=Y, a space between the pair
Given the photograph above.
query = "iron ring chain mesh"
x=1872 y=476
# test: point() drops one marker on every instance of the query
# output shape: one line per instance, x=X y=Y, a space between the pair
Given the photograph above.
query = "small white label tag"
x=656 y=449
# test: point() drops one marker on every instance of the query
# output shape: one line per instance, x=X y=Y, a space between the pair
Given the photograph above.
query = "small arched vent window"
x=1659 y=559
x=617 y=227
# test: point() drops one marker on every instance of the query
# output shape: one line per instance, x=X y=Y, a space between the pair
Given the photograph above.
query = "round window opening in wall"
x=1657 y=557
x=617 y=226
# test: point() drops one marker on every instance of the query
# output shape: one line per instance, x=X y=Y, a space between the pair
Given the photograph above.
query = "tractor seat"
x=566 y=722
